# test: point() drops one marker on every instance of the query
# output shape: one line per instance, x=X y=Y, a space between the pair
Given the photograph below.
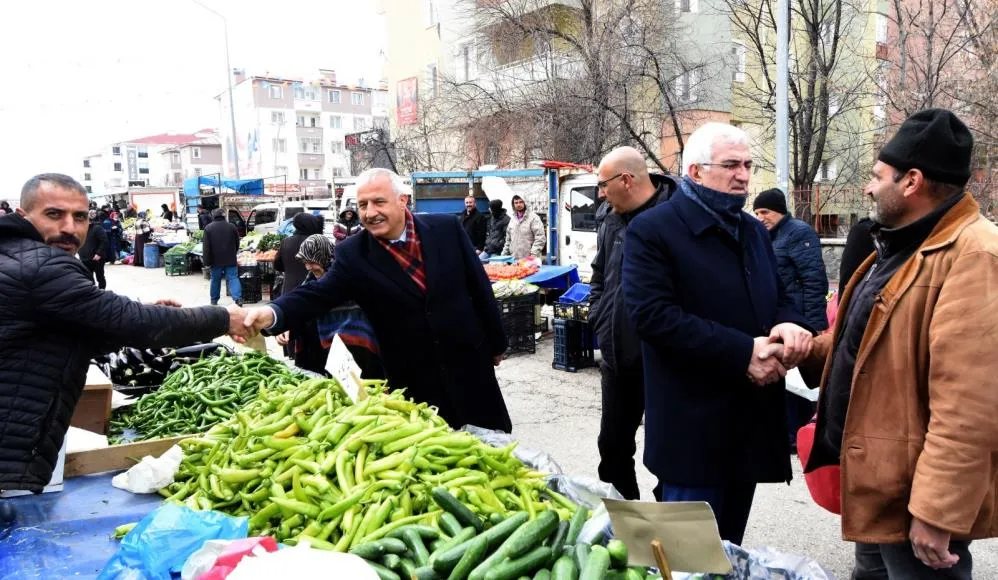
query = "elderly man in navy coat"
x=718 y=333
x=426 y=293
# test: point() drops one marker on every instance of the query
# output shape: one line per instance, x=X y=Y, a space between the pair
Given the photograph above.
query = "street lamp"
x=228 y=80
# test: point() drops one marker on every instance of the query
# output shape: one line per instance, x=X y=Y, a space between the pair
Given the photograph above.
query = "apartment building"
x=134 y=163
x=296 y=127
x=194 y=159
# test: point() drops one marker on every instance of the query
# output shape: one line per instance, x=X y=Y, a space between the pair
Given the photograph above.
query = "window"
x=177 y=178
x=86 y=163
x=115 y=150
x=276 y=92
x=263 y=216
x=359 y=124
x=430 y=13
x=336 y=122
x=308 y=121
x=687 y=86
x=175 y=157
x=333 y=96
x=827 y=171
x=356 y=98
x=197 y=171
x=584 y=203
x=738 y=53
x=309 y=145
x=881 y=29
x=466 y=63
x=492 y=153
x=86 y=177
x=688 y=6
x=277 y=117
x=195 y=153
x=307 y=173
x=337 y=172
x=431 y=80
x=117 y=166
x=280 y=146
x=304 y=93
x=144 y=170
x=143 y=152
x=88 y=189
x=336 y=147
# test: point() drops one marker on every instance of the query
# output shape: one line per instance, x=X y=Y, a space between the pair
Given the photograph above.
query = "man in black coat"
x=305 y=225
x=220 y=246
x=57 y=320
x=94 y=251
x=630 y=190
x=498 y=223
x=204 y=217
x=428 y=299
x=475 y=223
x=717 y=331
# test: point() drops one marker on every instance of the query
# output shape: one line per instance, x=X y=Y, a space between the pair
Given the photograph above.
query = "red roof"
x=167 y=139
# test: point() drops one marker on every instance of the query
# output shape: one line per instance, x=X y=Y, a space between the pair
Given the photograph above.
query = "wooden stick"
x=661 y=560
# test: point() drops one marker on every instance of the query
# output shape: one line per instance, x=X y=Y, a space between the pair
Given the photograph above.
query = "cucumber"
x=450 y=504
x=543 y=574
x=618 y=554
x=435 y=545
x=514 y=568
x=597 y=565
x=425 y=532
x=393 y=545
x=377 y=549
x=558 y=543
x=407 y=569
x=502 y=551
x=471 y=558
x=581 y=555
x=392 y=562
x=425 y=573
x=565 y=569
x=415 y=542
x=495 y=518
x=531 y=534
x=449 y=524
x=496 y=535
x=575 y=528
x=465 y=535
x=615 y=575
x=383 y=573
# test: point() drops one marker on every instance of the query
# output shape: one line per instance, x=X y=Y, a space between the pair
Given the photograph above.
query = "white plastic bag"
x=151 y=474
x=302 y=563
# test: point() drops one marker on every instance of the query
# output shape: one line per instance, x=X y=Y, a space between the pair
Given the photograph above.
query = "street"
x=559 y=413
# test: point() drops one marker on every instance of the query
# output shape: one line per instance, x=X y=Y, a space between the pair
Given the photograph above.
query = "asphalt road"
x=559 y=413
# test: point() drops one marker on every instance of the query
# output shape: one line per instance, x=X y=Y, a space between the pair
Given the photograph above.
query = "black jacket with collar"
x=476 y=224
x=95 y=244
x=220 y=244
x=57 y=320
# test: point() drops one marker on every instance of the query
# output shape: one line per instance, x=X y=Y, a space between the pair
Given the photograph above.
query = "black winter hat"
x=771 y=199
x=495 y=205
x=934 y=141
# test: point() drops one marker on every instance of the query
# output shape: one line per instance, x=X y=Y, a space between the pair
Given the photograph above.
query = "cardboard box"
x=94 y=408
x=116 y=457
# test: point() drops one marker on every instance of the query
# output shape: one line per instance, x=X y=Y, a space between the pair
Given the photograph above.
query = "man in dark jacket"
x=348 y=224
x=475 y=224
x=802 y=271
x=630 y=190
x=94 y=251
x=702 y=290
x=437 y=322
x=294 y=271
x=204 y=217
x=57 y=320
x=220 y=246
x=498 y=223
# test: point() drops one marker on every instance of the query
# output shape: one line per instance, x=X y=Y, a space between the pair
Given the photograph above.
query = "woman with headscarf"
x=309 y=344
x=286 y=261
x=142 y=231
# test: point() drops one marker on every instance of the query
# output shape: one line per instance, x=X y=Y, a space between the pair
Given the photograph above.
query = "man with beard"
x=428 y=298
x=475 y=224
x=907 y=403
x=57 y=320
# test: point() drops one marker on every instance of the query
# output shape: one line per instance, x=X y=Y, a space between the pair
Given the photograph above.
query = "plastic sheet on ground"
x=764 y=564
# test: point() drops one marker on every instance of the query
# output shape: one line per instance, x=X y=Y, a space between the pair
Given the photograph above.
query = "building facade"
x=201 y=157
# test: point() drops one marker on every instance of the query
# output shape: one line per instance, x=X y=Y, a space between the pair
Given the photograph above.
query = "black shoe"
x=239 y=303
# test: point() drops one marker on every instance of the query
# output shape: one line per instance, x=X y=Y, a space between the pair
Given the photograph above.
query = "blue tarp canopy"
x=192 y=186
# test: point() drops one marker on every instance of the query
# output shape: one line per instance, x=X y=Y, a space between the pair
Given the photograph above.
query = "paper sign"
x=796 y=385
x=344 y=369
x=687 y=530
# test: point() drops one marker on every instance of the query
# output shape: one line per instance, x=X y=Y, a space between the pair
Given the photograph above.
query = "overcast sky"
x=78 y=75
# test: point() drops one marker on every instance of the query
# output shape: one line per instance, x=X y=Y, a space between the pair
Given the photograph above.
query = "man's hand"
x=283 y=338
x=765 y=367
x=238 y=329
x=497 y=359
x=168 y=302
x=796 y=343
x=96 y=257
x=259 y=319
x=931 y=545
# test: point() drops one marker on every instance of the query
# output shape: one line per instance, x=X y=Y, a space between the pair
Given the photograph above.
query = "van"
x=266 y=218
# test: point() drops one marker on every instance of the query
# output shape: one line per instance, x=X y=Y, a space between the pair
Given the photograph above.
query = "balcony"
x=314 y=132
x=528 y=71
x=311 y=160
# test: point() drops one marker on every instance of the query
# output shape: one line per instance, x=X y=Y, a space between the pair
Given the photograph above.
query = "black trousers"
x=898 y=562
x=623 y=405
x=96 y=268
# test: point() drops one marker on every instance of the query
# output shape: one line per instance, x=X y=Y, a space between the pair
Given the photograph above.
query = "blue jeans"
x=231 y=274
x=731 y=504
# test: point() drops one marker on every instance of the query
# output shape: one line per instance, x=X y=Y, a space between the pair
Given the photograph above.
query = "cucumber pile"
x=512 y=548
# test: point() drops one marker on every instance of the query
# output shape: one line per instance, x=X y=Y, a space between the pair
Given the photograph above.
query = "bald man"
x=628 y=187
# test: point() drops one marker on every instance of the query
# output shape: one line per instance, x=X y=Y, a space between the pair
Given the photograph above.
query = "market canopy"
x=192 y=186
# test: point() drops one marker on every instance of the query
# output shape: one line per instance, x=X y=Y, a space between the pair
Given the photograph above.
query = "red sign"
x=407 y=100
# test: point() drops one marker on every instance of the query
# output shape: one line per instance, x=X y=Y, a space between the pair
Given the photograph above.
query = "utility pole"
x=782 y=101
x=228 y=83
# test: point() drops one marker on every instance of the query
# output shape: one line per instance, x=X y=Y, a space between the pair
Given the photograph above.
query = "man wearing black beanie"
x=907 y=400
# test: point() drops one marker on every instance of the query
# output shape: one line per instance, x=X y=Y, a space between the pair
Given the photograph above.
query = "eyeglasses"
x=605 y=182
x=731 y=165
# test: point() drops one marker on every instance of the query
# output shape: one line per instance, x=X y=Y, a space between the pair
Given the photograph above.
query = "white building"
x=194 y=159
x=296 y=128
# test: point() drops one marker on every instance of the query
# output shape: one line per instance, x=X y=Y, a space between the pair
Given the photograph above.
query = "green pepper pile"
x=197 y=396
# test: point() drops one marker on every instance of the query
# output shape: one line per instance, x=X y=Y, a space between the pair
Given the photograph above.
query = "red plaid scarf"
x=409 y=254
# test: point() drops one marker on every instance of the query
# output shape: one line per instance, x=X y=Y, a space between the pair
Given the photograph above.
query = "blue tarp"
x=192 y=186
x=555 y=277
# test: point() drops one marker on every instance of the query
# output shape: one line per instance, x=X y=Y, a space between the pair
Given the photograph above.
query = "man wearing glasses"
x=718 y=333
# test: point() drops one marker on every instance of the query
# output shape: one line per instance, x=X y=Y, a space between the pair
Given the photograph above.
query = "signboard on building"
x=281 y=188
x=132 y=158
x=407 y=99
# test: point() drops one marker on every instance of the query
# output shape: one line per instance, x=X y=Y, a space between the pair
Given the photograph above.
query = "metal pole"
x=228 y=81
x=782 y=100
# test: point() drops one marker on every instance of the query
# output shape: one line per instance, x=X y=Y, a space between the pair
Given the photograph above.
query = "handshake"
x=772 y=356
x=245 y=323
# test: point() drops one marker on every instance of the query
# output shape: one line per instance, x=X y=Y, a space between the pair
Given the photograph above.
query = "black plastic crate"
x=252 y=295
x=515 y=304
x=248 y=272
x=564 y=311
x=573 y=345
x=522 y=342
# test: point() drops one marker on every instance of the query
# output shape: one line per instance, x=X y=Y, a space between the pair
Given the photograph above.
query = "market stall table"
x=555 y=277
x=68 y=534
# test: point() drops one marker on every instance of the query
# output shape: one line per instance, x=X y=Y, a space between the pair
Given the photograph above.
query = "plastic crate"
x=564 y=311
x=248 y=272
x=524 y=342
x=573 y=345
x=252 y=295
x=515 y=304
x=579 y=292
x=177 y=265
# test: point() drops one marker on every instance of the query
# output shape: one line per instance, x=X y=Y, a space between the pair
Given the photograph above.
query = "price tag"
x=344 y=369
